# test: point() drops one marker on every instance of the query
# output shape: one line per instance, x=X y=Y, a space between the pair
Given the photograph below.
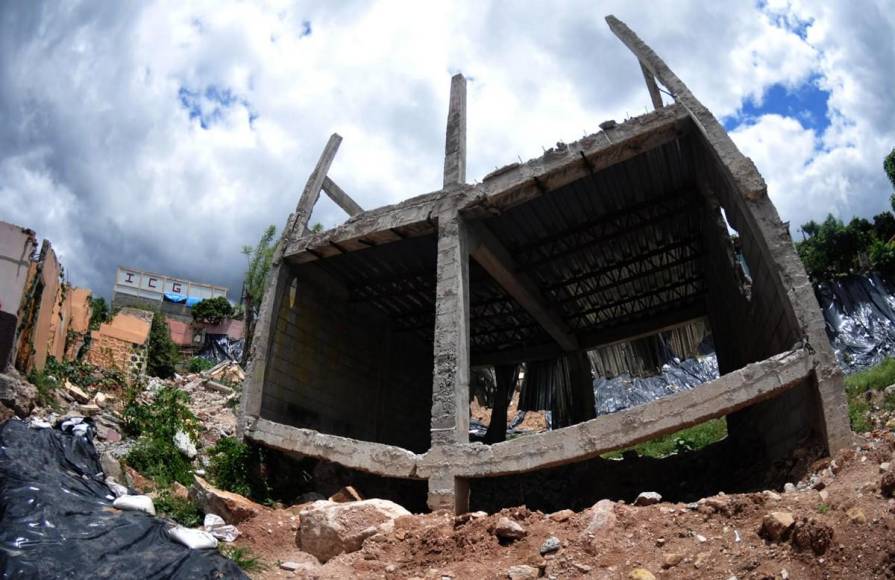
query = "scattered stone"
x=140 y=503
x=111 y=466
x=507 y=529
x=550 y=545
x=469 y=516
x=772 y=495
x=233 y=507
x=671 y=559
x=290 y=566
x=641 y=574
x=824 y=495
x=561 y=515
x=76 y=393
x=583 y=568
x=884 y=466
x=648 y=498
x=184 y=444
x=776 y=526
x=700 y=559
x=17 y=395
x=887 y=484
x=89 y=409
x=179 y=490
x=700 y=538
x=137 y=481
x=789 y=488
x=346 y=494
x=856 y=515
x=522 y=572
x=810 y=533
x=107 y=434
x=118 y=490
x=329 y=528
x=602 y=518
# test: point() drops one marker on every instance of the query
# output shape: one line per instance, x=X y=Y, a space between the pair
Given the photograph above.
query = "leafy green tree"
x=99 y=311
x=162 y=350
x=889 y=166
x=260 y=258
x=212 y=310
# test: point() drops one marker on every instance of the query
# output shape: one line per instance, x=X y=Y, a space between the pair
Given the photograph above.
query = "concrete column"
x=455 y=138
x=450 y=388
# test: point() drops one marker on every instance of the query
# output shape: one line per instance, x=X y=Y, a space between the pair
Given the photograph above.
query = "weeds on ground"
x=686 y=440
x=857 y=386
x=182 y=511
x=823 y=508
x=243 y=558
x=46 y=385
x=156 y=422
x=198 y=364
x=78 y=373
x=235 y=466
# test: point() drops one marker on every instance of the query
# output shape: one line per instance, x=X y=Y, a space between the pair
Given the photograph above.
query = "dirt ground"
x=843 y=529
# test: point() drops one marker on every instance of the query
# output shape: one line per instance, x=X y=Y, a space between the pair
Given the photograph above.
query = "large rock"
x=507 y=529
x=329 y=528
x=18 y=395
x=776 y=526
x=233 y=507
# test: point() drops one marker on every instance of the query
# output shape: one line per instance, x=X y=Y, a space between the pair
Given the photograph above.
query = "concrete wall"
x=752 y=320
x=338 y=369
x=17 y=245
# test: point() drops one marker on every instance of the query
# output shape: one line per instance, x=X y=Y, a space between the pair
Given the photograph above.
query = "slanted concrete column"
x=450 y=388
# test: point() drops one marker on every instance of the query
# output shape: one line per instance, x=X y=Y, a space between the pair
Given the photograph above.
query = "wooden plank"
x=311 y=193
x=342 y=199
x=652 y=87
x=490 y=253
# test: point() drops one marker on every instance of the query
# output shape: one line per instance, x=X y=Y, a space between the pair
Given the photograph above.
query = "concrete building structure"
x=123 y=343
x=173 y=296
x=617 y=236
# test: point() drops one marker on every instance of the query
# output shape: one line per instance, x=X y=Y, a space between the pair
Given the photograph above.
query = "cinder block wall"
x=336 y=367
x=750 y=329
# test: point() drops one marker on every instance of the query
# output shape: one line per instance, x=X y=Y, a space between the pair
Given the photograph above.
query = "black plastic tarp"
x=57 y=519
x=859 y=312
x=220 y=347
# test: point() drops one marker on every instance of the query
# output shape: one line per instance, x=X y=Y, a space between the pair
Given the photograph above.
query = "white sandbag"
x=142 y=503
x=217 y=527
x=195 y=539
x=212 y=520
x=118 y=489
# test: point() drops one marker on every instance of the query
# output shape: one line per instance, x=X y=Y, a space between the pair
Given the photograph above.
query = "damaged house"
x=623 y=234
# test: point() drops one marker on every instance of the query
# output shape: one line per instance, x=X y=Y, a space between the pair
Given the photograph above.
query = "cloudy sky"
x=165 y=135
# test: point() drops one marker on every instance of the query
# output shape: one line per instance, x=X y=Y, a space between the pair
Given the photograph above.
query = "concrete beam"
x=342 y=199
x=455 y=138
x=731 y=392
x=652 y=87
x=311 y=193
x=375 y=458
x=491 y=255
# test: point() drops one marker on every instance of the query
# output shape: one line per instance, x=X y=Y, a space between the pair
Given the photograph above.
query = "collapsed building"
x=623 y=234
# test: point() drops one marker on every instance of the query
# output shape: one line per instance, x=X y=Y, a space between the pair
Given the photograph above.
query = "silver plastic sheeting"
x=624 y=391
x=859 y=312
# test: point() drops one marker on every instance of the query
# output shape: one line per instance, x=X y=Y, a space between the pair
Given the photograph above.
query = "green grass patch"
x=181 y=510
x=156 y=422
x=198 y=364
x=685 y=440
x=243 y=558
x=236 y=466
x=857 y=386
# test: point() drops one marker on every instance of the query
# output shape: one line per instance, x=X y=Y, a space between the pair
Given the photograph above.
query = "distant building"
x=173 y=296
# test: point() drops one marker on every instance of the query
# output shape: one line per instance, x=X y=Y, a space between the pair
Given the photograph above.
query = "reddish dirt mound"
x=842 y=528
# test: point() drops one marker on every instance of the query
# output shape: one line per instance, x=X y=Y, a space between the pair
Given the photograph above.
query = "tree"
x=889 y=166
x=162 y=350
x=99 y=311
x=212 y=310
x=260 y=258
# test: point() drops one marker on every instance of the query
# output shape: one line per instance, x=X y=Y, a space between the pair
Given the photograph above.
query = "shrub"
x=182 y=511
x=198 y=364
x=235 y=466
x=156 y=423
x=162 y=350
x=212 y=310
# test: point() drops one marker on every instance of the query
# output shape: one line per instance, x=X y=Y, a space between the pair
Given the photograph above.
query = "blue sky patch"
x=208 y=106
x=807 y=104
